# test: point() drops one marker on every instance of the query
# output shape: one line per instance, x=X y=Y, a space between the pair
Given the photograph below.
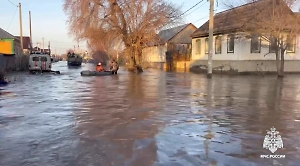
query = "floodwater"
x=154 y=118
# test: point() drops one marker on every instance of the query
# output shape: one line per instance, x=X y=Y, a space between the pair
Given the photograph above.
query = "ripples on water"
x=153 y=118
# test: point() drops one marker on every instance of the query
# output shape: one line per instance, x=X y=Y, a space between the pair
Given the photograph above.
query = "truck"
x=74 y=59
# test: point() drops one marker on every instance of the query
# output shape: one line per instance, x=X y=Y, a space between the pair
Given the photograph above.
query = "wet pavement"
x=154 y=118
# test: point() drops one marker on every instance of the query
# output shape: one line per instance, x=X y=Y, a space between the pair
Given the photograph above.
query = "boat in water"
x=96 y=73
x=3 y=83
x=74 y=59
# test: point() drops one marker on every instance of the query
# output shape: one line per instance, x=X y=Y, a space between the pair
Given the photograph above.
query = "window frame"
x=259 y=44
x=35 y=59
x=293 y=44
x=229 y=38
x=272 y=40
x=206 y=46
x=218 y=40
x=198 y=49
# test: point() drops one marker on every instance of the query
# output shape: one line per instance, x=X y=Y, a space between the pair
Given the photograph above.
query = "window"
x=273 y=45
x=255 y=44
x=230 y=44
x=44 y=59
x=198 y=46
x=290 y=44
x=206 y=45
x=35 y=59
x=218 y=45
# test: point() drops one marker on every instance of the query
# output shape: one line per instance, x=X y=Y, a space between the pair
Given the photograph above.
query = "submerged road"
x=154 y=118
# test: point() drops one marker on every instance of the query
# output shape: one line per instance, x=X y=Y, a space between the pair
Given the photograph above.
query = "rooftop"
x=246 y=17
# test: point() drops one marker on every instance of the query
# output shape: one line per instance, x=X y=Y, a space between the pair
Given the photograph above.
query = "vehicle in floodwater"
x=74 y=59
x=39 y=62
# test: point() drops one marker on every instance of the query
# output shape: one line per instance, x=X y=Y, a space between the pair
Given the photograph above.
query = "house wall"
x=184 y=36
x=155 y=57
x=14 y=62
x=242 y=60
x=7 y=63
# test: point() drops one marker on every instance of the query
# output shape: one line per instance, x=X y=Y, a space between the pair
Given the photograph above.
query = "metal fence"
x=13 y=63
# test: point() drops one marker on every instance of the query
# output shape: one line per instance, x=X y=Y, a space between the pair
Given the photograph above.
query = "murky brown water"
x=153 y=118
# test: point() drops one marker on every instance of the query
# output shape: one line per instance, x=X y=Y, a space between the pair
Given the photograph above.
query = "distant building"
x=26 y=44
x=171 y=43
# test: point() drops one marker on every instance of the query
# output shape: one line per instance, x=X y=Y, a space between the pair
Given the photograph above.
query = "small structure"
x=173 y=44
x=27 y=47
x=10 y=51
x=239 y=51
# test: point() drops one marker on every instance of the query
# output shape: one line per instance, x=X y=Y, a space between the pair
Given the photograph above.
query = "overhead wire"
x=12 y=18
x=12 y=3
x=196 y=8
x=191 y=8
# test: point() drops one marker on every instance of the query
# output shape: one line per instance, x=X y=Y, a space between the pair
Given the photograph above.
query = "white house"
x=173 y=39
x=234 y=50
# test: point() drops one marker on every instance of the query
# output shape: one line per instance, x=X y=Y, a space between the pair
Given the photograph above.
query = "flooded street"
x=154 y=118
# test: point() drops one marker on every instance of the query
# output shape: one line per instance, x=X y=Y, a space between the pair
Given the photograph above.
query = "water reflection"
x=231 y=114
x=118 y=124
x=153 y=118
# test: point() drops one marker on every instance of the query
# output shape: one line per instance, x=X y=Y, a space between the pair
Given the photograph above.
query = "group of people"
x=114 y=67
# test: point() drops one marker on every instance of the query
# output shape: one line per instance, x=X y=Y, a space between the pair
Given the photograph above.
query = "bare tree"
x=274 y=22
x=134 y=22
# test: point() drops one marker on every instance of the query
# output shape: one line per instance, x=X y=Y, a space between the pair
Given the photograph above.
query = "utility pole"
x=49 y=48
x=211 y=37
x=43 y=44
x=21 y=30
x=78 y=46
x=30 y=30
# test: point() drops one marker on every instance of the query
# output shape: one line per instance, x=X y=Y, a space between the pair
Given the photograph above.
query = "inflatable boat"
x=95 y=73
x=3 y=83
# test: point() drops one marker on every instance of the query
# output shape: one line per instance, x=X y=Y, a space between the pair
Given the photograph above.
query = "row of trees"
x=109 y=24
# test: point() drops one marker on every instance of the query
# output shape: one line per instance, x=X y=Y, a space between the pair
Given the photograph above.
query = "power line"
x=197 y=8
x=12 y=18
x=191 y=8
x=201 y=18
x=12 y=3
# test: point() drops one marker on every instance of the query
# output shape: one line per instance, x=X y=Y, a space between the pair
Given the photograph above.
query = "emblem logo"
x=273 y=140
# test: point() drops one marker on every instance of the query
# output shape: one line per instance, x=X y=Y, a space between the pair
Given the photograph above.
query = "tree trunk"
x=281 y=73
x=130 y=56
x=277 y=62
x=138 y=54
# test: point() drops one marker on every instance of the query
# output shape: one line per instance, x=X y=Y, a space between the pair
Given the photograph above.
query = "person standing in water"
x=114 y=67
